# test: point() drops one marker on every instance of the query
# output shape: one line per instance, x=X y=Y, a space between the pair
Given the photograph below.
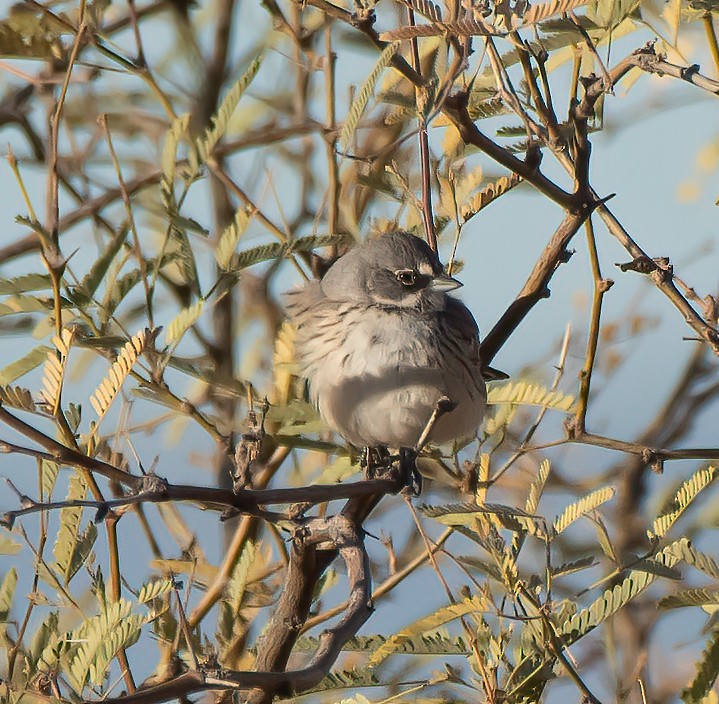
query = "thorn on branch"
x=153 y=484
x=249 y=448
x=659 y=267
x=565 y=255
x=654 y=459
x=102 y=510
x=603 y=285
x=571 y=428
x=688 y=71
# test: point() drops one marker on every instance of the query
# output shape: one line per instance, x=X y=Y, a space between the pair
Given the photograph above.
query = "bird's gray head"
x=396 y=270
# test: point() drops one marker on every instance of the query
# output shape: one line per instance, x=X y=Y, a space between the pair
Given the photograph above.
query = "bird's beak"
x=444 y=283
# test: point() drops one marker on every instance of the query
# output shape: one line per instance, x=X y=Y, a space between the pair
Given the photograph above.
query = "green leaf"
x=19 y=43
x=182 y=322
x=707 y=672
x=17 y=397
x=230 y=617
x=220 y=122
x=690 y=597
x=85 y=291
x=527 y=394
x=275 y=250
x=25 y=283
x=44 y=636
x=614 y=599
x=100 y=638
x=186 y=259
x=464 y=515
x=7 y=591
x=572 y=566
x=235 y=589
x=424 y=644
x=686 y=552
x=22 y=366
x=48 y=476
x=365 y=93
x=154 y=589
x=20 y=303
x=7 y=545
x=428 y=623
x=688 y=491
x=169 y=157
x=71 y=546
x=227 y=243
x=582 y=507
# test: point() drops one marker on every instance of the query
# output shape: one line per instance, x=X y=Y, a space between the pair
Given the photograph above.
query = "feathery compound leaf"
x=614 y=599
x=523 y=393
x=230 y=619
x=230 y=237
x=83 y=293
x=425 y=644
x=464 y=515
x=7 y=590
x=121 y=367
x=54 y=371
x=346 y=679
x=25 y=283
x=681 y=501
x=69 y=539
x=48 y=477
x=152 y=590
x=25 y=364
x=690 y=597
x=169 y=157
x=6 y=593
x=572 y=566
x=707 y=672
x=182 y=322
x=235 y=589
x=489 y=194
x=265 y=252
x=537 y=13
x=261 y=253
x=8 y=546
x=100 y=638
x=365 y=93
x=537 y=488
x=428 y=623
x=686 y=552
x=582 y=507
x=17 y=397
x=425 y=8
x=221 y=120
x=462 y=28
x=45 y=634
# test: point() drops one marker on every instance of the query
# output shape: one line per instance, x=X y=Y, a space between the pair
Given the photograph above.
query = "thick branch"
x=345 y=537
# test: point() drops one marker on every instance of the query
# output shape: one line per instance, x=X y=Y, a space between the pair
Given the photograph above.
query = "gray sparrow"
x=381 y=342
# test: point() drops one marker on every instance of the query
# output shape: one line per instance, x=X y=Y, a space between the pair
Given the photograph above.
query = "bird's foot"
x=410 y=474
x=375 y=461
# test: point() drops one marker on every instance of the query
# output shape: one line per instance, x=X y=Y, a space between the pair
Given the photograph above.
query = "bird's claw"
x=377 y=462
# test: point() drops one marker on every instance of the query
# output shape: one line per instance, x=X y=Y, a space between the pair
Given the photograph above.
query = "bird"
x=382 y=343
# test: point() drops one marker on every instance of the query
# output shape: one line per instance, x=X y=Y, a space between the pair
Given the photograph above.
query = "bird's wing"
x=303 y=302
x=462 y=324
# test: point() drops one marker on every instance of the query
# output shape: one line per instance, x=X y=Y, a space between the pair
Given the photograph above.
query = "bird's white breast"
x=377 y=375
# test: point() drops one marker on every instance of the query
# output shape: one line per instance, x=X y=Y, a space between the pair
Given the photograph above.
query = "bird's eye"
x=405 y=276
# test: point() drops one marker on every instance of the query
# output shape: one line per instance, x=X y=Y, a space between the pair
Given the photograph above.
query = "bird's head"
x=396 y=270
